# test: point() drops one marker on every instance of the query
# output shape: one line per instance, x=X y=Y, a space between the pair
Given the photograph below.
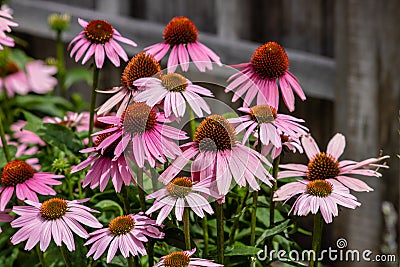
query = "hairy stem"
x=65 y=256
x=316 y=239
x=186 y=228
x=40 y=256
x=219 y=212
x=96 y=72
x=4 y=141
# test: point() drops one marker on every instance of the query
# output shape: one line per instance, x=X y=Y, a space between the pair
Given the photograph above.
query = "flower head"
x=269 y=66
x=317 y=195
x=20 y=176
x=99 y=38
x=142 y=65
x=181 y=36
x=79 y=121
x=184 y=259
x=142 y=127
x=25 y=136
x=326 y=165
x=126 y=233
x=174 y=91
x=219 y=155
x=59 y=22
x=181 y=192
x=5 y=24
x=270 y=124
x=55 y=219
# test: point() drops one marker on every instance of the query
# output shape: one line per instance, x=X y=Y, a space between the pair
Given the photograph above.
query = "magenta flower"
x=181 y=193
x=98 y=39
x=317 y=195
x=24 y=150
x=103 y=165
x=174 y=91
x=5 y=24
x=219 y=155
x=269 y=123
x=181 y=36
x=142 y=65
x=126 y=233
x=5 y=216
x=38 y=78
x=269 y=66
x=293 y=145
x=182 y=258
x=54 y=218
x=326 y=165
x=79 y=121
x=24 y=136
x=143 y=128
x=20 y=176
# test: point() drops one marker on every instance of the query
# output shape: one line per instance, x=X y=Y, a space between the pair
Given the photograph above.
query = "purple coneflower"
x=126 y=233
x=20 y=176
x=142 y=65
x=317 y=195
x=270 y=125
x=326 y=165
x=98 y=39
x=180 y=193
x=54 y=218
x=5 y=24
x=143 y=128
x=175 y=91
x=79 y=121
x=25 y=136
x=180 y=35
x=183 y=259
x=219 y=155
x=269 y=66
x=292 y=144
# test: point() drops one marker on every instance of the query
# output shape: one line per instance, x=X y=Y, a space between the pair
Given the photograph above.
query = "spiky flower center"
x=139 y=118
x=109 y=151
x=99 y=31
x=121 y=225
x=177 y=259
x=180 y=187
x=53 y=209
x=16 y=172
x=180 y=30
x=322 y=166
x=140 y=66
x=270 y=61
x=215 y=133
x=319 y=188
x=174 y=82
x=263 y=114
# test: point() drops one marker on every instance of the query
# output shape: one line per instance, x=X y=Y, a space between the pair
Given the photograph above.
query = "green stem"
x=219 y=213
x=4 y=141
x=253 y=219
x=316 y=239
x=150 y=252
x=60 y=64
x=65 y=256
x=40 y=256
x=275 y=170
x=236 y=220
x=131 y=261
x=205 y=236
x=186 y=228
x=140 y=185
x=191 y=121
x=125 y=200
x=96 y=72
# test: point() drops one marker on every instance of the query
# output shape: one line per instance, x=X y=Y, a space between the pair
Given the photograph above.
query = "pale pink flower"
x=174 y=91
x=55 y=219
x=183 y=258
x=291 y=144
x=103 y=165
x=269 y=66
x=143 y=129
x=37 y=78
x=25 y=136
x=182 y=193
x=79 y=121
x=99 y=38
x=326 y=165
x=20 y=176
x=5 y=216
x=317 y=195
x=5 y=24
x=220 y=156
x=140 y=66
x=180 y=35
x=266 y=121
x=126 y=233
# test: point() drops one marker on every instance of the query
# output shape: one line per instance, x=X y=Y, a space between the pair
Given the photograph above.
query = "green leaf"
x=241 y=251
x=175 y=237
x=3 y=160
x=34 y=123
x=109 y=205
x=77 y=75
x=60 y=137
x=273 y=231
x=44 y=104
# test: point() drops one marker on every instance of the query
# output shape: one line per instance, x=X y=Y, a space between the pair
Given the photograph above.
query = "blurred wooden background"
x=345 y=54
